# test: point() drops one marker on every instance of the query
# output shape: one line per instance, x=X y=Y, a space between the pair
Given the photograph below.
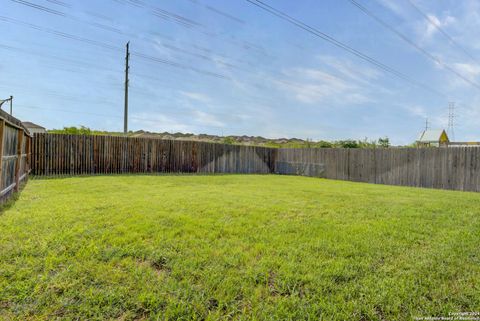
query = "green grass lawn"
x=237 y=247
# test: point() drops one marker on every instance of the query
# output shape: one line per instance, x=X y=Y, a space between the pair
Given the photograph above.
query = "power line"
x=181 y=111
x=66 y=15
x=37 y=53
x=163 y=14
x=190 y=24
x=89 y=65
x=341 y=45
x=79 y=99
x=118 y=31
x=39 y=7
x=99 y=43
x=224 y=14
x=413 y=44
x=178 y=65
x=137 y=3
x=112 y=47
x=443 y=32
x=74 y=111
x=21 y=106
x=114 y=30
x=171 y=47
x=60 y=3
x=201 y=56
x=60 y=33
x=155 y=59
x=219 y=12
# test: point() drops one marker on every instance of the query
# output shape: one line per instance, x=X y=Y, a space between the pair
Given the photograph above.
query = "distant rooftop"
x=432 y=135
x=29 y=124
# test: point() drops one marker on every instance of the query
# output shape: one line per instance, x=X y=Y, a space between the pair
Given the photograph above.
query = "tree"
x=384 y=142
x=365 y=143
x=308 y=143
x=323 y=144
x=228 y=140
x=82 y=130
x=347 y=143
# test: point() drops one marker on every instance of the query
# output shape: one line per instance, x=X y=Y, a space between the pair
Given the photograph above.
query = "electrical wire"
x=22 y=106
x=442 y=31
x=413 y=44
x=342 y=45
x=112 y=47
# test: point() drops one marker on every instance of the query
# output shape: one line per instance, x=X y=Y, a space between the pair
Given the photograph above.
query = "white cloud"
x=311 y=89
x=431 y=25
x=428 y=28
x=394 y=6
x=313 y=85
x=207 y=119
x=158 y=123
x=353 y=71
x=440 y=121
x=161 y=50
x=416 y=111
x=341 y=81
x=196 y=96
x=469 y=70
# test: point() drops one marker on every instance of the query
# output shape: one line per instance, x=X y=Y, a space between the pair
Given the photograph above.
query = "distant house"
x=463 y=144
x=433 y=138
x=34 y=128
x=144 y=134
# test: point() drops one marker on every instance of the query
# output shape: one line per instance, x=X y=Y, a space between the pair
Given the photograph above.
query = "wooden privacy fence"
x=456 y=168
x=15 y=154
x=58 y=154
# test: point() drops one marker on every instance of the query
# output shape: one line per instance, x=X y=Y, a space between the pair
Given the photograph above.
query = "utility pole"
x=451 y=117
x=5 y=100
x=125 y=117
x=426 y=124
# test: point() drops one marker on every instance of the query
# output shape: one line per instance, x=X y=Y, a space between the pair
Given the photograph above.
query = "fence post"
x=19 y=159
x=28 y=151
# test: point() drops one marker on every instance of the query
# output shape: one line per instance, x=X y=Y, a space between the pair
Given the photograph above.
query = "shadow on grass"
x=48 y=177
x=9 y=202
x=9 y=199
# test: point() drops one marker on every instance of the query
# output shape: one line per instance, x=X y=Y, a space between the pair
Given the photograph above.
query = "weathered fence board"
x=455 y=168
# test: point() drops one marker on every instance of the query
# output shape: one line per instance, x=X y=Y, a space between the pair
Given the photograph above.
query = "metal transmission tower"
x=125 y=116
x=451 y=118
x=426 y=124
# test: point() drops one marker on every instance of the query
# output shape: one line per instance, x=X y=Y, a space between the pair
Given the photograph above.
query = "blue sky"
x=279 y=81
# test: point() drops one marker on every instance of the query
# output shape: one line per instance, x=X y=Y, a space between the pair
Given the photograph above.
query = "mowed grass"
x=237 y=247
